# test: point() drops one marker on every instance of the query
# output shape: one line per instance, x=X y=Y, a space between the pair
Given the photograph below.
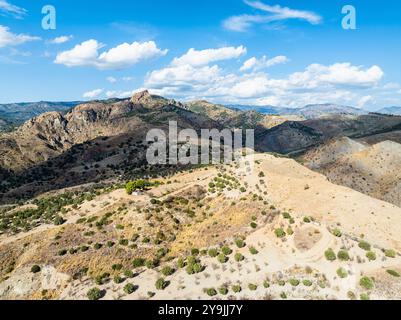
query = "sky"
x=267 y=52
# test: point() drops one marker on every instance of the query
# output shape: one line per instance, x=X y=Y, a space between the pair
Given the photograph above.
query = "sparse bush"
x=371 y=255
x=366 y=283
x=167 y=271
x=194 y=252
x=342 y=273
x=286 y=215
x=330 y=255
x=343 y=255
x=280 y=233
x=307 y=283
x=222 y=258
x=253 y=250
x=161 y=284
x=236 y=288
x=364 y=245
x=129 y=288
x=393 y=273
x=240 y=243
x=213 y=253
x=211 y=292
x=128 y=274
x=389 y=253
x=294 y=282
x=118 y=279
x=117 y=267
x=223 y=291
x=254 y=225
x=266 y=284
x=180 y=263
x=337 y=233
x=94 y=294
x=307 y=219
x=238 y=257
x=226 y=250
x=138 y=262
x=252 y=287
x=35 y=269
x=364 y=296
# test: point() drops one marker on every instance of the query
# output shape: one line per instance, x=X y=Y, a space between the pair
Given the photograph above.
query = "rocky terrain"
x=371 y=169
x=84 y=216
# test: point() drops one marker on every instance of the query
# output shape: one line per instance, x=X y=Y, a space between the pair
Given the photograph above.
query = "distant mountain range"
x=391 y=110
x=312 y=111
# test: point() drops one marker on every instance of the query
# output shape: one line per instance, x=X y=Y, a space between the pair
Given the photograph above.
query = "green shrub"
x=286 y=215
x=307 y=219
x=307 y=283
x=290 y=232
x=222 y=258
x=252 y=250
x=239 y=257
x=254 y=225
x=180 y=263
x=337 y=233
x=330 y=255
x=62 y=252
x=167 y=271
x=283 y=295
x=151 y=263
x=161 y=284
x=223 y=290
x=389 y=253
x=266 y=284
x=252 y=287
x=371 y=255
x=117 y=267
x=213 y=253
x=393 y=273
x=35 y=269
x=226 y=250
x=118 y=279
x=281 y=283
x=211 y=292
x=129 y=288
x=236 y=288
x=138 y=262
x=194 y=252
x=343 y=255
x=240 y=243
x=97 y=246
x=128 y=274
x=366 y=283
x=342 y=273
x=364 y=245
x=194 y=268
x=294 y=282
x=94 y=294
x=364 y=296
x=280 y=233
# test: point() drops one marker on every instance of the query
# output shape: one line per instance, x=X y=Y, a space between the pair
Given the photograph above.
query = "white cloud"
x=119 y=94
x=243 y=22
x=111 y=79
x=7 y=38
x=126 y=79
x=364 y=100
x=340 y=83
x=93 y=94
x=185 y=75
x=204 y=57
x=61 y=39
x=259 y=64
x=12 y=10
x=122 y=56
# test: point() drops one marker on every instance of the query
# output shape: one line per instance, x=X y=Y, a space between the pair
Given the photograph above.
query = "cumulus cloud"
x=122 y=56
x=204 y=57
x=336 y=83
x=93 y=94
x=7 y=38
x=61 y=39
x=262 y=63
x=243 y=22
x=11 y=9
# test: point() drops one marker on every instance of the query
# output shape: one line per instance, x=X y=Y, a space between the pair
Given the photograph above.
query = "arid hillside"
x=225 y=232
x=373 y=170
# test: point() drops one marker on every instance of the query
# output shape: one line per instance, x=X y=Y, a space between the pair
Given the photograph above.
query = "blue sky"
x=285 y=53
